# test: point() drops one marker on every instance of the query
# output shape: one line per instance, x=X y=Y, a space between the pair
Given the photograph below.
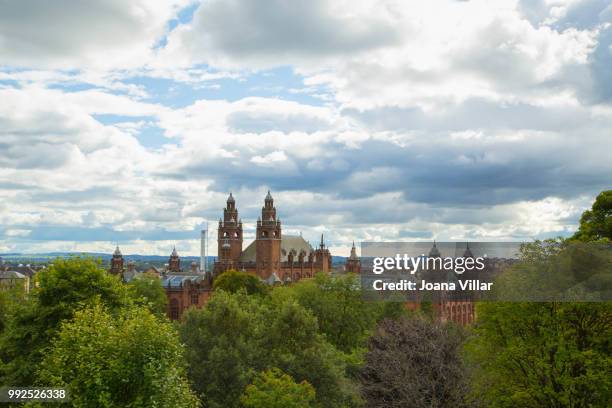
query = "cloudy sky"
x=130 y=122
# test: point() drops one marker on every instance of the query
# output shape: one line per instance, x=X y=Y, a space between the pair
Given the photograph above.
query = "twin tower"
x=271 y=256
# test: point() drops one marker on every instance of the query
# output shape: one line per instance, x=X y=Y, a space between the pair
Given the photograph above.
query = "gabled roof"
x=11 y=275
x=288 y=243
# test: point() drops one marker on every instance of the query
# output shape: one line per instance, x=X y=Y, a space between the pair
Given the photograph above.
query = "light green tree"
x=275 y=389
x=596 y=223
x=343 y=316
x=127 y=360
x=65 y=287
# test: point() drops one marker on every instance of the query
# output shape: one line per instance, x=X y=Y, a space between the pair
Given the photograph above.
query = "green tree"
x=233 y=281
x=542 y=354
x=221 y=348
x=291 y=335
x=596 y=223
x=546 y=354
x=129 y=360
x=342 y=315
x=66 y=286
x=8 y=299
x=275 y=389
x=237 y=336
x=558 y=270
x=148 y=291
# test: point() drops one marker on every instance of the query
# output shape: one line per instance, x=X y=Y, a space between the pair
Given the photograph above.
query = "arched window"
x=195 y=298
x=174 y=309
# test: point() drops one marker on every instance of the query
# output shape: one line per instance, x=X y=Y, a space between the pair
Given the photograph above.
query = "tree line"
x=315 y=343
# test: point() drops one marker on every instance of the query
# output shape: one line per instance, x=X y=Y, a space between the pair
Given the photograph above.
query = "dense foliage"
x=127 y=360
x=148 y=291
x=275 y=389
x=596 y=223
x=542 y=354
x=234 y=281
x=65 y=287
x=236 y=336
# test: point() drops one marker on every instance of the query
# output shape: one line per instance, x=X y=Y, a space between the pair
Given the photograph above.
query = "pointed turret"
x=468 y=252
x=174 y=263
x=353 y=252
x=353 y=263
x=434 y=252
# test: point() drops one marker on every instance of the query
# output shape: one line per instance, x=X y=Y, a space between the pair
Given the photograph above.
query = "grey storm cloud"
x=476 y=113
x=433 y=168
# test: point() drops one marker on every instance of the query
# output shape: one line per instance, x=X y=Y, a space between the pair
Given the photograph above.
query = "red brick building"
x=273 y=256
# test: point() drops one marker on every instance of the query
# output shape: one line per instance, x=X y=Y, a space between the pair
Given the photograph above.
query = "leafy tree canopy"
x=275 y=389
x=596 y=223
x=233 y=281
x=237 y=336
x=129 y=360
x=343 y=316
x=542 y=354
x=147 y=290
x=65 y=287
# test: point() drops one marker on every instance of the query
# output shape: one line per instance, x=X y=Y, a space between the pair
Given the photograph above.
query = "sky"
x=130 y=122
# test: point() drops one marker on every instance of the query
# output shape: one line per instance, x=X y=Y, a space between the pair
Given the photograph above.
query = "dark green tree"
x=275 y=389
x=128 y=360
x=65 y=287
x=221 y=347
x=546 y=354
x=596 y=223
x=148 y=291
x=234 y=281
x=236 y=336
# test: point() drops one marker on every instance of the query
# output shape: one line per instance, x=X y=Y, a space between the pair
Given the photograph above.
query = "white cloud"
x=447 y=119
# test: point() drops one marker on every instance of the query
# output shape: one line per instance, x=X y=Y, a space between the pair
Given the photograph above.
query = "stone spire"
x=353 y=252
